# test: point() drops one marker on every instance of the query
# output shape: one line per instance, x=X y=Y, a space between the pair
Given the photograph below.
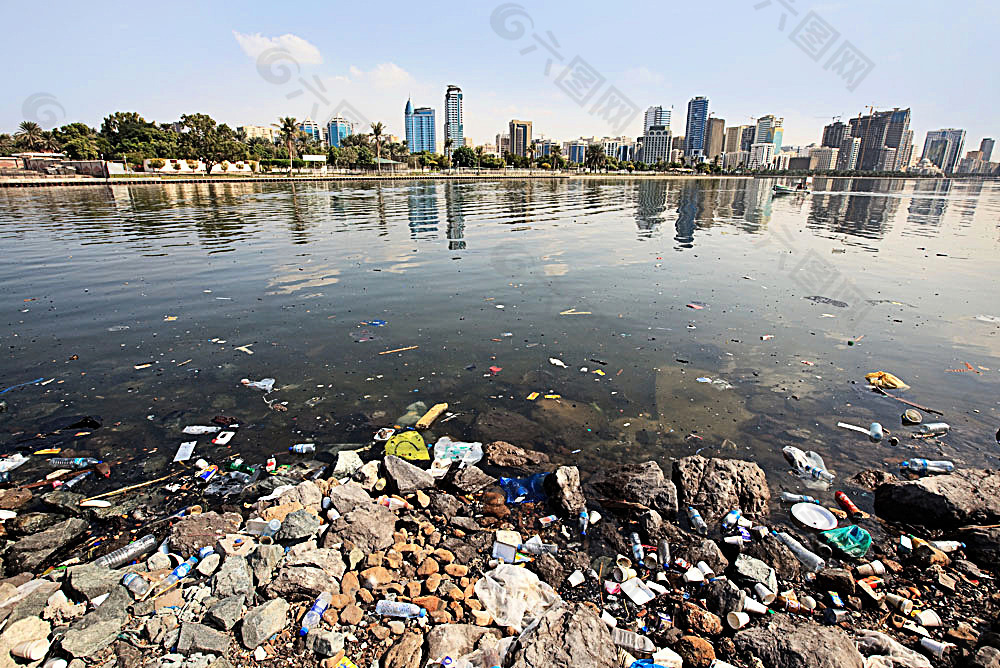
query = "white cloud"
x=643 y=76
x=384 y=75
x=299 y=49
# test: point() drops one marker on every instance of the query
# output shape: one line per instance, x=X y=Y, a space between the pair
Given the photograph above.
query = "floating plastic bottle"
x=636 y=547
x=136 y=584
x=697 y=522
x=260 y=527
x=812 y=561
x=311 y=618
x=180 y=572
x=788 y=497
x=934 y=428
x=130 y=552
x=399 y=609
x=303 y=448
x=921 y=466
x=807 y=464
x=266 y=384
x=73 y=462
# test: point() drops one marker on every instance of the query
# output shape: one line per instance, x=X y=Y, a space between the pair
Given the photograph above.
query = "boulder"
x=29 y=523
x=298 y=525
x=502 y=453
x=98 y=629
x=985 y=657
x=406 y=653
x=749 y=570
x=470 y=479
x=263 y=622
x=723 y=597
x=568 y=494
x=324 y=643
x=263 y=560
x=446 y=505
x=565 y=635
x=983 y=546
x=302 y=582
x=716 y=486
x=967 y=496
x=66 y=502
x=200 y=638
x=346 y=498
x=702 y=621
x=370 y=529
x=707 y=550
x=233 y=578
x=454 y=640
x=406 y=477
x=787 y=643
x=330 y=561
x=639 y=484
x=193 y=532
x=89 y=581
x=224 y=614
x=696 y=652
x=31 y=552
x=772 y=551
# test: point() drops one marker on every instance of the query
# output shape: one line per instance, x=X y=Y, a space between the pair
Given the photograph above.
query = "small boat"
x=802 y=187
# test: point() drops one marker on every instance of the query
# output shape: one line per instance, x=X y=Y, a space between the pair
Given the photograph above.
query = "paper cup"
x=904 y=605
x=754 y=606
x=808 y=602
x=763 y=593
x=873 y=568
x=928 y=618
x=705 y=568
x=594 y=517
x=694 y=575
x=32 y=650
x=737 y=620
x=575 y=579
x=935 y=647
x=622 y=574
x=623 y=561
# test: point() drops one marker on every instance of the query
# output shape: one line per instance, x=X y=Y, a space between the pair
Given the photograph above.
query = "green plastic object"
x=852 y=540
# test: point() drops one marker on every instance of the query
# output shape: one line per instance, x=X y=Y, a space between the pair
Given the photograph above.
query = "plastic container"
x=788 y=497
x=934 y=428
x=136 y=584
x=697 y=522
x=632 y=642
x=583 y=521
x=303 y=448
x=392 y=503
x=74 y=481
x=948 y=545
x=8 y=464
x=636 y=547
x=130 y=552
x=261 y=527
x=809 y=559
x=399 y=609
x=875 y=432
x=180 y=572
x=731 y=518
x=311 y=618
x=663 y=553
x=73 y=462
x=921 y=466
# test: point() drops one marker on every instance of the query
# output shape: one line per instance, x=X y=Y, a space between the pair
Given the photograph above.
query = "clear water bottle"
x=875 y=432
x=697 y=522
x=788 y=497
x=136 y=584
x=75 y=480
x=731 y=518
x=636 y=547
x=818 y=474
x=812 y=561
x=398 y=609
x=584 y=521
x=948 y=545
x=261 y=527
x=72 y=462
x=303 y=448
x=311 y=618
x=130 y=552
x=921 y=466
x=934 y=428
x=663 y=553
x=180 y=572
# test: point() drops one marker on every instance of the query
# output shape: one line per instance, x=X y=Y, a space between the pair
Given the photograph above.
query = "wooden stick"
x=908 y=403
x=131 y=487
x=398 y=350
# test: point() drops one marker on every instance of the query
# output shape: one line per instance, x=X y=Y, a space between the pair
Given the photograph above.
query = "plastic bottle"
x=809 y=559
x=8 y=464
x=392 y=503
x=398 y=609
x=845 y=502
x=922 y=466
x=75 y=480
x=240 y=465
x=73 y=462
x=818 y=474
x=788 y=497
x=130 y=552
x=136 y=584
x=948 y=545
x=200 y=430
x=180 y=572
x=636 y=547
x=731 y=518
x=583 y=521
x=311 y=618
x=303 y=448
x=631 y=641
x=697 y=522
x=875 y=432
x=663 y=553
x=934 y=428
x=260 y=527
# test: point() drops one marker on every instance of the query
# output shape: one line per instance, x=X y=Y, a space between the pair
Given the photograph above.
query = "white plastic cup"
x=705 y=568
x=694 y=575
x=733 y=540
x=808 y=602
x=621 y=574
x=32 y=650
x=737 y=620
x=872 y=568
x=928 y=618
x=763 y=593
x=593 y=517
x=575 y=579
x=935 y=647
x=754 y=606
x=901 y=603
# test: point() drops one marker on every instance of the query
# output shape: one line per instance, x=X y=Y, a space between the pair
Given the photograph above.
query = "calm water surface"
x=480 y=275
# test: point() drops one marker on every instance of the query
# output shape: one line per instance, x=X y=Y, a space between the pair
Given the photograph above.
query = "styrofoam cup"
x=737 y=620
x=754 y=606
x=32 y=650
x=928 y=618
x=763 y=593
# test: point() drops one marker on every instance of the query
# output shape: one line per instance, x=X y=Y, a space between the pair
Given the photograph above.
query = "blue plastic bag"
x=524 y=490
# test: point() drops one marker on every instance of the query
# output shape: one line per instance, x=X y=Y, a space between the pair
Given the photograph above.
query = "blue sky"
x=181 y=57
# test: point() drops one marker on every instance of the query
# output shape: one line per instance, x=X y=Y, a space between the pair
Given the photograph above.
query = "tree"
x=205 y=139
x=377 y=136
x=78 y=140
x=7 y=144
x=50 y=144
x=463 y=156
x=595 y=157
x=365 y=157
x=288 y=130
x=29 y=135
x=448 y=143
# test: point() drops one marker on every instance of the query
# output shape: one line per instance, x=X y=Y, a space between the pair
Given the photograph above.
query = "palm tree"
x=288 y=130
x=595 y=157
x=377 y=128
x=555 y=154
x=479 y=156
x=29 y=135
x=448 y=143
x=531 y=157
x=49 y=142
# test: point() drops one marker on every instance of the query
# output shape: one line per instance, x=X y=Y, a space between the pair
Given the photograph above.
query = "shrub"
x=177 y=166
x=157 y=163
x=192 y=164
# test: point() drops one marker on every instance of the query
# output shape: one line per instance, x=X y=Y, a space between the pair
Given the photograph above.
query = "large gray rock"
x=568 y=493
x=407 y=477
x=454 y=640
x=346 y=498
x=89 y=581
x=263 y=622
x=330 y=561
x=983 y=546
x=224 y=614
x=967 y=496
x=787 y=643
x=324 y=643
x=370 y=529
x=772 y=551
x=406 y=653
x=233 y=578
x=445 y=504
x=716 y=486
x=64 y=501
x=985 y=657
x=723 y=597
x=193 y=532
x=749 y=570
x=302 y=582
x=502 y=453
x=263 y=560
x=470 y=479
x=200 y=638
x=708 y=550
x=98 y=629
x=566 y=636
x=30 y=552
x=298 y=525
x=642 y=484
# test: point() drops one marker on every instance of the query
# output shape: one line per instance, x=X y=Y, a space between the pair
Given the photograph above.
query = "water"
x=304 y=275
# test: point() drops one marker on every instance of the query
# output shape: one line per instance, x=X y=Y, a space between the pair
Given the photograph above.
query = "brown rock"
x=444 y=556
x=440 y=617
x=429 y=603
x=377 y=576
x=366 y=596
x=456 y=570
x=497 y=510
x=427 y=567
x=374 y=559
x=380 y=632
x=695 y=651
x=481 y=618
x=502 y=453
x=422 y=499
x=350 y=583
x=340 y=601
x=11 y=499
x=413 y=588
x=701 y=620
x=393 y=560
x=351 y=615
x=432 y=582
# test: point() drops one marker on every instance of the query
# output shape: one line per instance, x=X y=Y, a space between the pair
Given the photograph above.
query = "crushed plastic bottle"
x=697 y=522
x=130 y=552
x=399 y=609
x=136 y=584
x=303 y=448
x=788 y=497
x=311 y=618
x=923 y=466
x=812 y=561
x=261 y=527
x=73 y=462
x=807 y=464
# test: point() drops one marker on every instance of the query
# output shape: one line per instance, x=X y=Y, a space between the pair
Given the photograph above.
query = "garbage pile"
x=402 y=553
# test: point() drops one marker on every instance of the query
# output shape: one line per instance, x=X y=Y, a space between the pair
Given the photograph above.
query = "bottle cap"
x=303 y=632
x=423 y=613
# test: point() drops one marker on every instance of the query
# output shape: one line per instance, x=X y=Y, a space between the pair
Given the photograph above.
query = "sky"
x=573 y=69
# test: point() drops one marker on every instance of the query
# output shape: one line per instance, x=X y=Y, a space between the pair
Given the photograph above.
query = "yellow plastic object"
x=408 y=445
x=886 y=381
x=532 y=396
x=428 y=419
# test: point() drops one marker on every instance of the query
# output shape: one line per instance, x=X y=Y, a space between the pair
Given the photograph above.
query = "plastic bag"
x=266 y=384
x=851 y=540
x=466 y=454
x=887 y=652
x=511 y=593
x=885 y=380
x=524 y=490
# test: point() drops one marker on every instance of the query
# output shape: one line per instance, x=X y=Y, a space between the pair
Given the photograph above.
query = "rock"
x=568 y=494
x=158 y=561
x=702 y=621
x=348 y=462
x=502 y=453
x=224 y=614
x=407 y=477
x=716 y=486
x=31 y=552
x=566 y=635
x=787 y=643
x=263 y=621
x=549 y=569
x=209 y=564
x=298 y=525
x=772 y=551
x=66 y=502
x=370 y=529
x=983 y=546
x=967 y=496
x=34 y=603
x=454 y=640
x=836 y=579
x=330 y=561
x=376 y=576
x=29 y=523
x=12 y=499
x=985 y=657
x=723 y=597
x=302 y=581
x=696 y=652
x=470 y=479
x=406 y=653
x=512 y=425
x=466 y=523
x=346 y=498
x=872 y=478
x=193 y=532
x=750 y=570
x=233 y=578
x=90 y=581
x=263 y=560
x=707 y=550
x=324 y=643
x=643 y=484
x=446 y=505
x=351 y=615
x=98 y=629
x=200 y=638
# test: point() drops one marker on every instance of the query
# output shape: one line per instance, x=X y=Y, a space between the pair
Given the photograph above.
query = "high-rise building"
x=986 y=147
x=677 y=143
x=944 y=148
x=880 y=131
x=260 y=131
x=454 y=128
x=543 y=147
x=337 y=128
x=420 y=129
x=520 y=137
x=655 y=145
x=656 y=116
x=735 y=159
x=313 y=130
x=503 y=143
x=748 y=138
x=769 y=129
x=847 y=156
x=834 y=133
x=696 y=127
x=761 y=155
x=575 y=151
x=734 y=138
x=714 y=138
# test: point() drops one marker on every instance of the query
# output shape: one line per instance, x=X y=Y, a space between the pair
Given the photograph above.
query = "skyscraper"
x=312 y=130
x=520 y=137
x=454 y=128
x=714 y=138
x=337 y=128
x=419 y=128
x=833 y=134
x=847 y=157
x=734 y=138
x=656 y=116
x=986 y=148
x=696 y=127
x=879 y=132
x=748 y=138
x=769 y=130
x=944 y=148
